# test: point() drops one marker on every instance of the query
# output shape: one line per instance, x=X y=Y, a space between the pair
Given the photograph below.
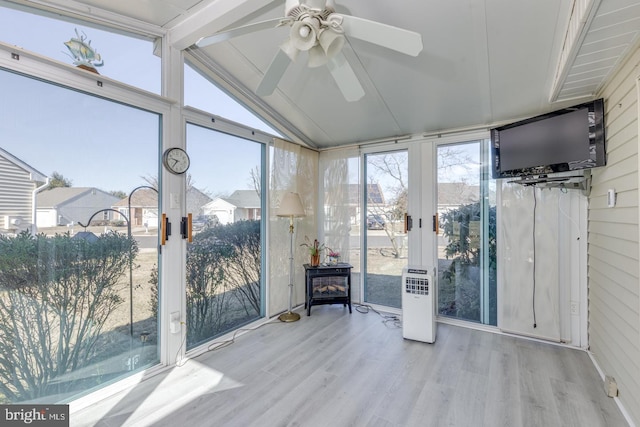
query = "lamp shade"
x=290 y=206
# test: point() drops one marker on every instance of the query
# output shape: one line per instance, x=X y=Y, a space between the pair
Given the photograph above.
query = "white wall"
x=614 y=288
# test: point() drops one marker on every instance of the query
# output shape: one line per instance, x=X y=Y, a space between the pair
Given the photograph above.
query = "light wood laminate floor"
x=339 y=369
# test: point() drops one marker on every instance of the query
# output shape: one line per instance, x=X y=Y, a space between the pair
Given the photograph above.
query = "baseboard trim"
x=616 y=399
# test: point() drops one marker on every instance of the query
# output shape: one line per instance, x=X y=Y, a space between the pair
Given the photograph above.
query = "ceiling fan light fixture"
x=317 y=57
x=315 y=27
x=331 y=42
x=304 y=33
x=290 y=6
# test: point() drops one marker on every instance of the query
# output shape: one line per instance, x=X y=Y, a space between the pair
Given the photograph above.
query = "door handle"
x=408 y=222
x=165 y=229
x=186 y=227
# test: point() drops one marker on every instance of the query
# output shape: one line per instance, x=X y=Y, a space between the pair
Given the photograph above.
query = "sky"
x=103 y=144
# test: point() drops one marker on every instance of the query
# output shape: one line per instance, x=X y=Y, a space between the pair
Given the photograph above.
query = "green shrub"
x=222 y=275
x=459 y=279
x=56 y=294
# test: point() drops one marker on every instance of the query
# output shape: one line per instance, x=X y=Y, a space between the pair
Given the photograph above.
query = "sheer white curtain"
x=537 y=259
x=340 y=216
x=293 y=168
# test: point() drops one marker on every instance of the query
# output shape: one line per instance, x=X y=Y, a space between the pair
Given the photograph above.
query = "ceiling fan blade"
x=398 y=39
x=239 y=31
x=345 y=78
x=273 y=74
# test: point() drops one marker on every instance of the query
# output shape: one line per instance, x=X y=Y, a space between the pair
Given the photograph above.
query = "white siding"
x=614 y=289
x=15 y=192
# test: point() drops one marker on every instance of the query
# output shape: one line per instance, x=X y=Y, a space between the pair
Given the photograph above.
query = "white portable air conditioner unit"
x=418 y=305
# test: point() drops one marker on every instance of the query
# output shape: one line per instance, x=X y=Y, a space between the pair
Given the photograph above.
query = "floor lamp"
x=291 y=207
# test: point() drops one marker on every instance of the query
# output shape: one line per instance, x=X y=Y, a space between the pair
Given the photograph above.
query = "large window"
x=201 y=93
x=224 y=261
x=81 y=278
x=121 y=57
x=467 y=234
x=78 y=243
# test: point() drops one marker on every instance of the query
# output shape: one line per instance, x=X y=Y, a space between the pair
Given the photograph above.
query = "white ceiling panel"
x=610 y=36
x=610 y=55
x=157 y=12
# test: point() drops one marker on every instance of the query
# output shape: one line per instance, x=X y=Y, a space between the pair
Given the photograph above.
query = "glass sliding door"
x=78 y=253
x=385 y=204
x=224 y=260
x=467 y=234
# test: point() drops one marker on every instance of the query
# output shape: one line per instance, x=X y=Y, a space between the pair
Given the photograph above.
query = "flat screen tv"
x=565 y=140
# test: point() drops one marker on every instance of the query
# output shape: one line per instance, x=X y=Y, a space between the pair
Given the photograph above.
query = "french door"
x=466 y=233
x=385 y=250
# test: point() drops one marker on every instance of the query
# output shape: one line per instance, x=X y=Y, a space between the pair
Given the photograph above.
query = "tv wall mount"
x=573 y=181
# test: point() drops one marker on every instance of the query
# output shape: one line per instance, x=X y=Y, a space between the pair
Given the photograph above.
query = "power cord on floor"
x=216 y=345
x=533 y=296
x=386 y=318
x=180 y=361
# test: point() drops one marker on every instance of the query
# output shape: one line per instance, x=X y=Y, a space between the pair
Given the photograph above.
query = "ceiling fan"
x=317 y=29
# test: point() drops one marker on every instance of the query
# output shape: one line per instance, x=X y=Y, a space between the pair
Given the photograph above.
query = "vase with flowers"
x=315 y=249
x=333 y=256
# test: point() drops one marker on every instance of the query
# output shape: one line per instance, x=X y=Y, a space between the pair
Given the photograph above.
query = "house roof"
x=36 y=175
x=59 y=195
x=374 y=194
x=144 y=197
x=244 y=199
x=457 y=193
x=196 y=199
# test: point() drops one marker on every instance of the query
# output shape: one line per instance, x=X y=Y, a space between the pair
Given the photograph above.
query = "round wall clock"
x=176 y=160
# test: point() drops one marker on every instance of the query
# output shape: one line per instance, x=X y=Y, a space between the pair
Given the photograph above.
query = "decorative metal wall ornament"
x=84 y=55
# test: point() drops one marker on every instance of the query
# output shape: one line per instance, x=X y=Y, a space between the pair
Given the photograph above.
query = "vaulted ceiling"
x=483 y=62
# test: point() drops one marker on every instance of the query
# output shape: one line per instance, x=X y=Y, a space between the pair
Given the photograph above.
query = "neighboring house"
x=19 y=185
x=196 y=200
x=144 y=208
x=452 y=195
x=71 y=205
x=241 y=205
x=375 y=200
x=374 y=194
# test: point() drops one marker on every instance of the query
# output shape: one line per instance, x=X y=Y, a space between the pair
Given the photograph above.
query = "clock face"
x=176 y=160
